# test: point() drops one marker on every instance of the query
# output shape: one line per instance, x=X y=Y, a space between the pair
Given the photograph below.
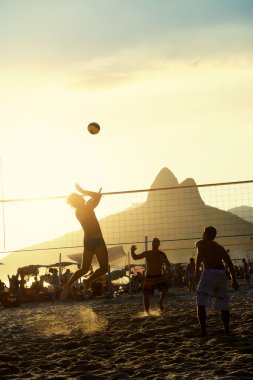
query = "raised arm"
x=95 y=197
x=87 y=192
x=137 y=257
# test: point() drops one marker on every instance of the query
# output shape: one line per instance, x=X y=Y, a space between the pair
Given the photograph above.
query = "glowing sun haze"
x=169 y=82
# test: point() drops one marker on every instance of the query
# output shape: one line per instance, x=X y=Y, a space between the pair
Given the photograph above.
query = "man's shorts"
x=92 y=243
x=151 y=283
x=213 y=284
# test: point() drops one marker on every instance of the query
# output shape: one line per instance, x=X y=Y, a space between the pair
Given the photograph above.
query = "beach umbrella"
x=62 y=264
x=30 y=270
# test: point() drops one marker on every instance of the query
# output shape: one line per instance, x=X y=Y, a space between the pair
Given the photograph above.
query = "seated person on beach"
x=55 y=282
x=35 y=286
x=22 y=283
x=154 y=273
x=213 y=282
x=190 y=275
x=14 y=284
x=2 y=286
x=66 y=276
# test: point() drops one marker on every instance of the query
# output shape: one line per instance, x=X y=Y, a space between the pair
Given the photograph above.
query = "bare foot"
x=64 y=293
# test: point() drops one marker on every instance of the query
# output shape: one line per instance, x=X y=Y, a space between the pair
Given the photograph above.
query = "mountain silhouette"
x=174 y=212
x=165 y=178
x=177 y=215
x=244 y=212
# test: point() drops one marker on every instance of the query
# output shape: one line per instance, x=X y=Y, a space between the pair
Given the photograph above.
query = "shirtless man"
x=93 y=239
x=190 y=275
x=213 y=281
x=154 y=277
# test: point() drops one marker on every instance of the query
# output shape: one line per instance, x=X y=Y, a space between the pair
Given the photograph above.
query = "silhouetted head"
x=209 y=233
x=192 y=260
x=155 y=243
x=75 y=200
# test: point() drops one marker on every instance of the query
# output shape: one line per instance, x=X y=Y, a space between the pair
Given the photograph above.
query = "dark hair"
x=73 y=199
x=210 y=232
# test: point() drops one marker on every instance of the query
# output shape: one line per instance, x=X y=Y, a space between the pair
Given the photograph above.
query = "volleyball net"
x=176 y=215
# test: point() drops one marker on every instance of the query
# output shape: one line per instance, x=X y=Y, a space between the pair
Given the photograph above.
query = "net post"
x=146 y=243
x=109 y=281
x=60 y=269
x=129 y=270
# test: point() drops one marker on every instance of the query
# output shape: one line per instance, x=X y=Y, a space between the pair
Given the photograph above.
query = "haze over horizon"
x=169 y=83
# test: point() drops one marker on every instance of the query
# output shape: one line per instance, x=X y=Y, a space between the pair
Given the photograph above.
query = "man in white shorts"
x=213 y=282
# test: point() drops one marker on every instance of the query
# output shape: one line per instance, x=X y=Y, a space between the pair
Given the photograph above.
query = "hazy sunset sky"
x=169 y=81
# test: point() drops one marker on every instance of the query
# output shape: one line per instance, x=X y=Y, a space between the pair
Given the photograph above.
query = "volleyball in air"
x=93 y=128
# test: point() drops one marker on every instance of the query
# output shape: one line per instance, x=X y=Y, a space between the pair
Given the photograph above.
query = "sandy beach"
x=113 y=339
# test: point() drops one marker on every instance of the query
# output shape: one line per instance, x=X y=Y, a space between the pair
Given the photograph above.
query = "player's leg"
x=201 y=313
x=102 y=257
x=222 y=303
x=163 y=295
x=86 y=263
x=146 y=301
x=225 y=316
